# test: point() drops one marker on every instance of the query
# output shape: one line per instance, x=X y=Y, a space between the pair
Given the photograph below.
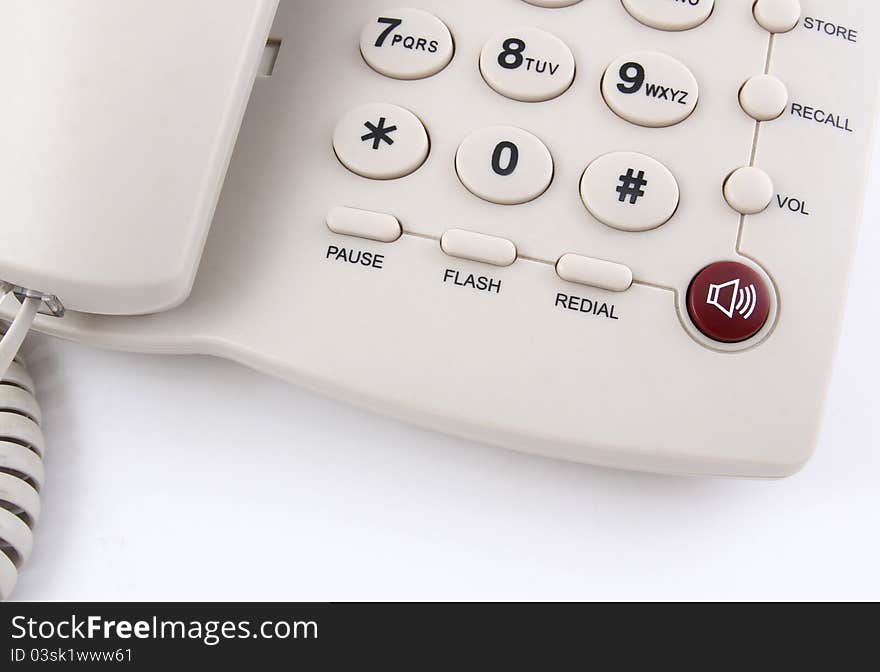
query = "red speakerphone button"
x=729 y=302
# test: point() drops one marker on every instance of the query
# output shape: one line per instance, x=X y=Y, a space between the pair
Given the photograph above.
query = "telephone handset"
x=119 y=121
x=118 y=126
x=610 y=231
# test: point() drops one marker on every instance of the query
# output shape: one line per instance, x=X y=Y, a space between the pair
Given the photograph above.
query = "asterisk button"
x=381 y=141
x=379 y=133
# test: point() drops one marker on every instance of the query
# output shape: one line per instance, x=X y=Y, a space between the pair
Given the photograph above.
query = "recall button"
x=729 y=302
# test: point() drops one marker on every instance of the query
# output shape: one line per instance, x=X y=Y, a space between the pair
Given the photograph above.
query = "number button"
x=529 y=65
x=407 y=44
x=670 y=15
x=650 y=89
x=381 y=142
x=504 y=165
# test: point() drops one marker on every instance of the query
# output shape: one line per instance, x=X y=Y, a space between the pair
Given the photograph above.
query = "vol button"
x=729 y=302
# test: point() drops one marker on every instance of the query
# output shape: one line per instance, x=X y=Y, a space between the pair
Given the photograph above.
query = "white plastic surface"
x=510 y=368
x=354 y=506
x=117 y=128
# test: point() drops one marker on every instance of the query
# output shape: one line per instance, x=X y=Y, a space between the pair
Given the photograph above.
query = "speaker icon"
x=730 y=302
x=731 y=298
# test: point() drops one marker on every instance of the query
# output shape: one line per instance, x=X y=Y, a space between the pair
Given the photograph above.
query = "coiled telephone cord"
x=21 y=448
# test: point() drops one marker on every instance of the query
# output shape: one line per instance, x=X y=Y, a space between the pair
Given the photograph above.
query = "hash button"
x=630 y=191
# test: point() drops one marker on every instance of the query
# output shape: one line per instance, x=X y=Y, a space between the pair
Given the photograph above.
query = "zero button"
x=504 y=165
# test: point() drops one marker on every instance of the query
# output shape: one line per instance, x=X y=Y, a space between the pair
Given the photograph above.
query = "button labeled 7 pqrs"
x=407 y=44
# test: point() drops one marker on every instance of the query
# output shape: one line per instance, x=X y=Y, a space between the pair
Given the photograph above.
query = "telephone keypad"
x=674 y=16
x=407 y=44
x=528 y=64
x=381 y=141
x=504 y=165
x=650 y=89
x=630 y=191
x=507 y=165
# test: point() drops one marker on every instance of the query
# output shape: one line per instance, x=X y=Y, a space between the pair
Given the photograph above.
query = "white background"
x=191 y=478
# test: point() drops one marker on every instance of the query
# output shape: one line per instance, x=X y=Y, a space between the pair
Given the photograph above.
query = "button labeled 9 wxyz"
x=650 y=89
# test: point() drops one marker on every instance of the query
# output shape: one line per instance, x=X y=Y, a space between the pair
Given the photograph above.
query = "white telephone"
x=609 y=231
